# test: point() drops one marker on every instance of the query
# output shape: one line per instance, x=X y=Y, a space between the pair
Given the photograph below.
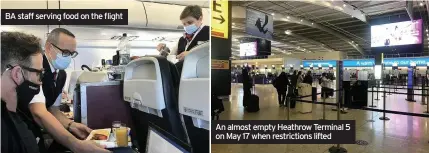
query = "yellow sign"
x=220 y=19
x=220 y=64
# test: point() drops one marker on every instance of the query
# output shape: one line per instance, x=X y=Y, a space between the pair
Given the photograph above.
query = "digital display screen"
x=395 y=34
x=248 y=49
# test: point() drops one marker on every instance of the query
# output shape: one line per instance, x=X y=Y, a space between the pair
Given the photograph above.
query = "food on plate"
x=100 y=134
x=99 y=137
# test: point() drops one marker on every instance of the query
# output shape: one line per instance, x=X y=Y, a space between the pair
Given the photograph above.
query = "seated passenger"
x=21 y=66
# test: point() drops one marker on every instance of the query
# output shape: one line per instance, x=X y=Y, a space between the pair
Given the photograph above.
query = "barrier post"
x=423 y=95
x=372 y=97
x=389 y=91
x=384 y=108
x=288 y=107
x=323 y=100
x=427 y=104
x=338 y=148
x=378 y=85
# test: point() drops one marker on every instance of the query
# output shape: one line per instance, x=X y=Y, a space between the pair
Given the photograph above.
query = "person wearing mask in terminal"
x=163 y=50
x=308 y=79
x=21 y=67
x=281 y=83
x=195 y=33
x=43 y=111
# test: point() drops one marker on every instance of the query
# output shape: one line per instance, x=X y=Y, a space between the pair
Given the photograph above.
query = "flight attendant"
x=195 y=33
x=44 y=112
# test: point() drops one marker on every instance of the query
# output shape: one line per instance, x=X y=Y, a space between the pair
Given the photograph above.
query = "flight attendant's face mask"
x=191 y=25
x=61 y=62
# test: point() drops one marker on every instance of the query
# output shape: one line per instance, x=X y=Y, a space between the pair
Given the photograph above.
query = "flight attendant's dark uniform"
x=52 y=88
x=187 y=42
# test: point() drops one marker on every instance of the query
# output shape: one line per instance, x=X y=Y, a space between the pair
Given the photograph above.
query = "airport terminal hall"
x=365 y=61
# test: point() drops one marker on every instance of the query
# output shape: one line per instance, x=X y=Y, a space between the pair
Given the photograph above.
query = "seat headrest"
x=196 y=62
x=89 y=77
x=149 y=84
x=194 y=84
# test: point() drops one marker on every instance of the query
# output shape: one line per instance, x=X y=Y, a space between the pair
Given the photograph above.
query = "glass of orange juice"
x=121 y=135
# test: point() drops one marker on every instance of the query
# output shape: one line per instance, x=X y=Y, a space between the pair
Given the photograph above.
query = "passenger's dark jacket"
x=15 y=135
x=281 y=82
x=308 y=79
x=294 y=80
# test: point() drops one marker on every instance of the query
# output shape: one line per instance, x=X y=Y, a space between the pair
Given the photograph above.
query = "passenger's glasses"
x=40 y=73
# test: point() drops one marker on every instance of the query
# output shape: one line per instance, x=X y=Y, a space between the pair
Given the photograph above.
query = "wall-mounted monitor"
x=248 y=49
x=397 y=34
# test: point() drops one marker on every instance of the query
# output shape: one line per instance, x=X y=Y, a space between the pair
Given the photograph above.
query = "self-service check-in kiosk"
x=151 y=87
x=194 y=94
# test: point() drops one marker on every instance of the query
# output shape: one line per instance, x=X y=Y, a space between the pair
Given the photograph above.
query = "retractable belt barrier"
x=362 y=108
x=338 y=147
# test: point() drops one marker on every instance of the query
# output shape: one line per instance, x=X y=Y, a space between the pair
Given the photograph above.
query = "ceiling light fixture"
x=426 y=30
x=288 y=32
x=287 y=17
x=421 y=4
x=301 y=20
x=344 y=5
x=272 y=14
x=233 y=23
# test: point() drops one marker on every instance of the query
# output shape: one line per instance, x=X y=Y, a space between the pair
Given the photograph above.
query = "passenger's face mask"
x=61 y=62
x=190 y=29
x=25 y=93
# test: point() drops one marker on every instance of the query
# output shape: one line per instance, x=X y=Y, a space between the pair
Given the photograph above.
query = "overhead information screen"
x=395 y=34
x=248 y=49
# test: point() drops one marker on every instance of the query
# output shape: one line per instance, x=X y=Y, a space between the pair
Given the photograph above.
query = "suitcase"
x=253 y=104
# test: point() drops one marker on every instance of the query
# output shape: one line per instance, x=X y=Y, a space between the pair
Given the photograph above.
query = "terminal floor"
x=401 y=134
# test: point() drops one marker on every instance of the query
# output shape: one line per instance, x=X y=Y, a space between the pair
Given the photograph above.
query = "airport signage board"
x=259 y=24
x=405 y=62
x=220 y=19
x=401 y=62
x=316 y=63
x=220 y=64
x=358 y=63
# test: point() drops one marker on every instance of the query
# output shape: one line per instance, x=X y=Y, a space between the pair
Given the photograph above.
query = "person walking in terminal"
x=195 y=33
x=21 y=66
x=281 y=83
x=246 y=86
x=43 y=112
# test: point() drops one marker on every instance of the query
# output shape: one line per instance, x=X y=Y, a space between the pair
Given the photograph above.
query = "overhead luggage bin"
x=151 y=88
x=194 y=97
